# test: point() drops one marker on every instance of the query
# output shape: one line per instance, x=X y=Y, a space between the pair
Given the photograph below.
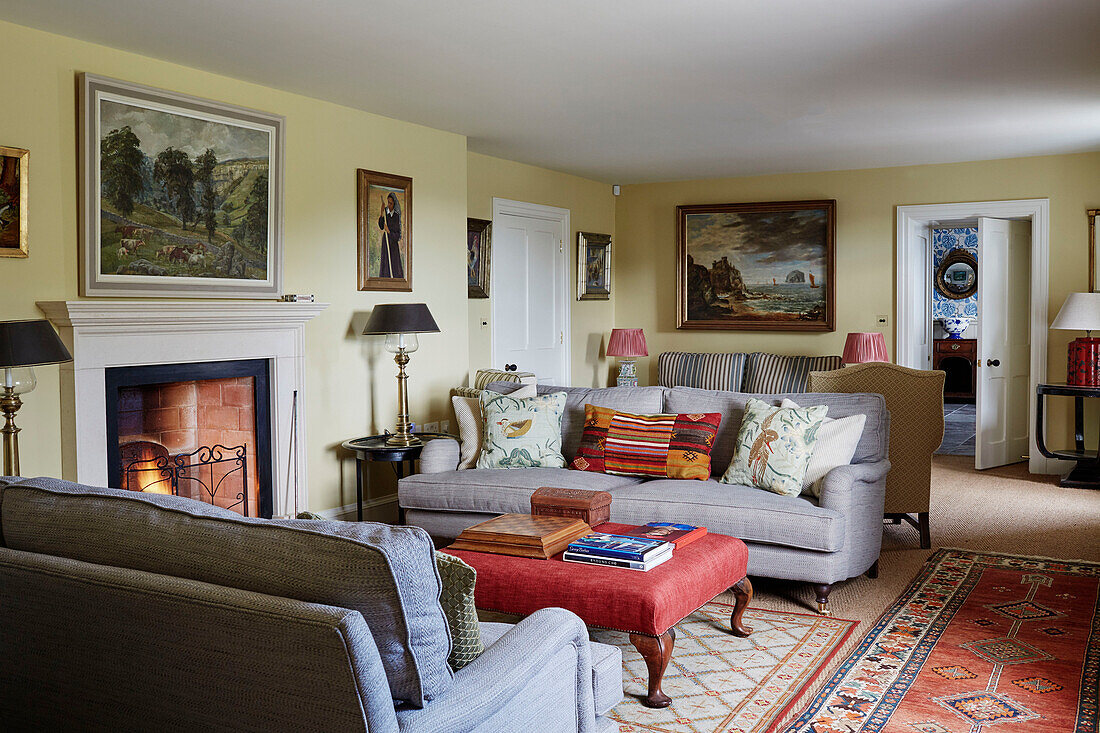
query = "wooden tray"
x=522 y=535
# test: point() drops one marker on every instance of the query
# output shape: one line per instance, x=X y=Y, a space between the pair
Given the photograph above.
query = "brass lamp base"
x=9 y=405
x=403 y=437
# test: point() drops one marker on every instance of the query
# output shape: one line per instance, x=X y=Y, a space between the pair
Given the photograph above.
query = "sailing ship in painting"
x=749 y=268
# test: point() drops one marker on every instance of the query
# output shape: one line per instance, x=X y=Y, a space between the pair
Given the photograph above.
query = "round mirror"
x=957 y=275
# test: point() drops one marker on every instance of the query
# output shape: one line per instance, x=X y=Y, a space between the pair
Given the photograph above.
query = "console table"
x=1086 y=474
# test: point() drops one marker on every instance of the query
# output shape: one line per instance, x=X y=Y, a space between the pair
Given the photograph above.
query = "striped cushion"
x=664 y=445
x=484 y=376
x=703 y=371
x=775 y=374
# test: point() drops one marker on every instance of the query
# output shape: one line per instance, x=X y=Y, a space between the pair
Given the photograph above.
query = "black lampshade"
x=400 y=318
x=30 y=343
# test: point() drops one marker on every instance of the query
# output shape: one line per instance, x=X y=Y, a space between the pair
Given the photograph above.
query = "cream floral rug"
x=722 y=684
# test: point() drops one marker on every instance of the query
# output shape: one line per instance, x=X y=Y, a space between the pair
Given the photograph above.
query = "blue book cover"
x=613 y=545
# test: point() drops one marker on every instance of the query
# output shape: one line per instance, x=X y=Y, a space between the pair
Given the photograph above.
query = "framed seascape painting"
x=385 y=231
x=479 y=233
x=180 y=196
x=13 y=202
x=593 y=266
x=757 y=267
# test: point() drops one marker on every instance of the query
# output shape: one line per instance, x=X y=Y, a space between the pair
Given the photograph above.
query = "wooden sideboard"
x=962 y=376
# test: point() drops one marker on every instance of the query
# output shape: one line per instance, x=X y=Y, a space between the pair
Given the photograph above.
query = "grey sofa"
x=126 y=611
x=820 y=541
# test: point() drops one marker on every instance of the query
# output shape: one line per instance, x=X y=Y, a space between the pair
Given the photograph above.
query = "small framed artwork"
x=13 y=202
x=593 y=266
x=385 y=231
x=757 y=267
x=180 y=196
x=1094 y=256
x=479 y=245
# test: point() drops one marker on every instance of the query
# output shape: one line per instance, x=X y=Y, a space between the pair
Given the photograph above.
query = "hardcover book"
x=618 y=546
x=678 y=534
x=650 y=563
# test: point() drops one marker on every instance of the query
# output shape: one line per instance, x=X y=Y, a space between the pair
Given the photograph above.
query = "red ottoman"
x=646 y=605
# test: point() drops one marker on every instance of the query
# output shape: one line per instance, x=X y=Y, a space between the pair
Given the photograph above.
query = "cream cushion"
x=835 y=446
x=471 y=424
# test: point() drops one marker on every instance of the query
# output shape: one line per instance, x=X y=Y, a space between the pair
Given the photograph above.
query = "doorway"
x=529 y=291
x=997 y=353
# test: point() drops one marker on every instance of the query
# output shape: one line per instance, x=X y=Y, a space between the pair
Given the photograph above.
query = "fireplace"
x=200 y=430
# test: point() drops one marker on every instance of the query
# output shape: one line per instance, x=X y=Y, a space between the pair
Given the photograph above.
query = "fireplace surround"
x=132 y=333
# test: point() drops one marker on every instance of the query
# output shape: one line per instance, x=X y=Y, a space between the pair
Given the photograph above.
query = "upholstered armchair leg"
x=925 y=531
x=872 y=572
x=823 y=590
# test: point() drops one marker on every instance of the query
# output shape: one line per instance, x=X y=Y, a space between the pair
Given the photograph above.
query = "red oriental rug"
x=978 y=640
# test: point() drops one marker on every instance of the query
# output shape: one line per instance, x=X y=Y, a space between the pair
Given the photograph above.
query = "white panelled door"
x=1004 y=351
x=529 y=304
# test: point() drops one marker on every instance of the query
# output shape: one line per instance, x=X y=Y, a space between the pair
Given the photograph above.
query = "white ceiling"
x=642 y=90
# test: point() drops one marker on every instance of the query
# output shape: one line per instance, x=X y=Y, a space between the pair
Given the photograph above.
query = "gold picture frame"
x=479 y=252
x=13 y=196
x=385 y=263
x=1094 y=277
x=593 y=266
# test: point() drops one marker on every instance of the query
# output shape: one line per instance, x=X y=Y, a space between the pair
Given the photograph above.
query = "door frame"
x=1038 y=212
x=508 y=207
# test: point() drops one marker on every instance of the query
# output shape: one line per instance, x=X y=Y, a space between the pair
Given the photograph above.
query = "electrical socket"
x=445 y=426
x=430 y=427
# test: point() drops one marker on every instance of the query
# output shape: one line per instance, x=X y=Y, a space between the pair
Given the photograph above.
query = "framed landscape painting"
x=757 y=267
x=479 y=249
x=13 y=202
x=181 y=196
x=385 y=231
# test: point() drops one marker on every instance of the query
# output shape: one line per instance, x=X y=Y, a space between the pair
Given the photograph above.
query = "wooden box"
x=523 y=535
x=591 y=507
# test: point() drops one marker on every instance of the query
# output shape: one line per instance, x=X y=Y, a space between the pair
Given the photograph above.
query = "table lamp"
x=23 y=344
x=860 y=348
x=400 y=322
x=628 y=344
x=1081 y=312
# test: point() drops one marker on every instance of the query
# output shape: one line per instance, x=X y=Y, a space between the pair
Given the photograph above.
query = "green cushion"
x=457 y=600
x=774 y=446
x=522 y=433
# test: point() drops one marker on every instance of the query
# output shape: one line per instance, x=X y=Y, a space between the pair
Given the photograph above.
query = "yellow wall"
x=591 y=209
x=350 y=379
x=645 y=256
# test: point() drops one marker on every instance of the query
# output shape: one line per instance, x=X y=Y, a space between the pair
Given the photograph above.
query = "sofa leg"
x=872 y=572
x=925 y=533
x=823 y=590
x=656 y=651
x=742 y=591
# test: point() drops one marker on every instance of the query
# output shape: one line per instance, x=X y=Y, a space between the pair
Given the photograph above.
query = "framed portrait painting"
x=479 y=233
x=593 y=266
x=13 y=201
x=180 y=196
x=757 y=267
x=385 y=231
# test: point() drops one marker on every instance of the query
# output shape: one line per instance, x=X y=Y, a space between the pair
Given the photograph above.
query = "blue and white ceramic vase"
x=955 y=326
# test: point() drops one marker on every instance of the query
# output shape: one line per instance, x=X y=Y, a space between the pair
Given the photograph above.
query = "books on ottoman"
x=643 y=565
x=523 y=535
x=678 y=534
x=593 y=507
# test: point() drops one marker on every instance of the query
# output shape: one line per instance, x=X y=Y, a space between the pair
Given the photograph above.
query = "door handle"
x=510 y=367
x=993 y=362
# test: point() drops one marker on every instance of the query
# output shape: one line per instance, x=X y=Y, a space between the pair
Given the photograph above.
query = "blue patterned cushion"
x=702 y=371
x=775 y=374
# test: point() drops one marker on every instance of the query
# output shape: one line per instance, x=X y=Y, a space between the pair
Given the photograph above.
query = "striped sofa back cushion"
x=775 y=374
x=702 y=371
x=484 y=376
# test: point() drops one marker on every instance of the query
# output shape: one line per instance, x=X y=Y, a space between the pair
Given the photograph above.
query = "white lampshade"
x=1080 y=312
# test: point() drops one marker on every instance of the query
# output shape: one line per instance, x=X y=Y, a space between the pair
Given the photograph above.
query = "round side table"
x=373 y=449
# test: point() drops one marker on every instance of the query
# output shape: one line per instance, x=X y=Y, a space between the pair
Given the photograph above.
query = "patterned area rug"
x=719 y=682
x=978 y=640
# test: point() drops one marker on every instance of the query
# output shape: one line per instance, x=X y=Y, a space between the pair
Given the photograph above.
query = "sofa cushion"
x=705 y=371
x=749 y=514
x=494 y=491
x=872 y=444
x=386 y=573
x=640 y=400
x=521 y=432
x=773 y=373
x=774 y=446
x=457 y=600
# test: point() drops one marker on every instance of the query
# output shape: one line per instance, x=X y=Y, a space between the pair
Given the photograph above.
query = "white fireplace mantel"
x=102 y=335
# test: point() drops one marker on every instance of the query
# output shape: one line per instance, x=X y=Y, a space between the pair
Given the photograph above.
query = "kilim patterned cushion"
x=457 y=599
x=668 y=446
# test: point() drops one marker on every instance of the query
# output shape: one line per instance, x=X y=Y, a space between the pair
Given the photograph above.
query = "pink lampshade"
x=863 y=347
x=629 y=342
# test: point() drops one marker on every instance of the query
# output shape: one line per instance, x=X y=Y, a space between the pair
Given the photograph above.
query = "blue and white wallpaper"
x=943 y=242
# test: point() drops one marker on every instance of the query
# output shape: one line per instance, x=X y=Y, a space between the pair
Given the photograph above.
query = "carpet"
x=977 y=640
x=719 y=682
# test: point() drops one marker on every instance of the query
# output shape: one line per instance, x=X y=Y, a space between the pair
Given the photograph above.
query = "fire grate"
x=200 y=474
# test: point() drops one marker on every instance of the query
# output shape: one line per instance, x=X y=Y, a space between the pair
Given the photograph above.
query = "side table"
x=1086 y=474
x=373 y=449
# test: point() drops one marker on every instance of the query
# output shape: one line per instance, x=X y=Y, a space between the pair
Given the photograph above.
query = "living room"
x=624 y=124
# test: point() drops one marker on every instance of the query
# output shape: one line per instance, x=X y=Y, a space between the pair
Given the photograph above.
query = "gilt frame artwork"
x=384 y=215
x=13 y=201
x=180 y=196
x=479 y=253
x=593 y=266
x=757 y=266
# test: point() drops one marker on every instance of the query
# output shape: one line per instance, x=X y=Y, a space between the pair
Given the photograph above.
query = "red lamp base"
x=1083 y=363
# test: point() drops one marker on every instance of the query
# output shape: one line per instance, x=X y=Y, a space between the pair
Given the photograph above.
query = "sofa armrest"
x=540 y=669
x=439 y=455
x=837 y=487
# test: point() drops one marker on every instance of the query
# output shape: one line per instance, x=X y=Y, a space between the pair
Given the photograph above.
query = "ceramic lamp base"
x=1083 y=363
x=627 y=376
